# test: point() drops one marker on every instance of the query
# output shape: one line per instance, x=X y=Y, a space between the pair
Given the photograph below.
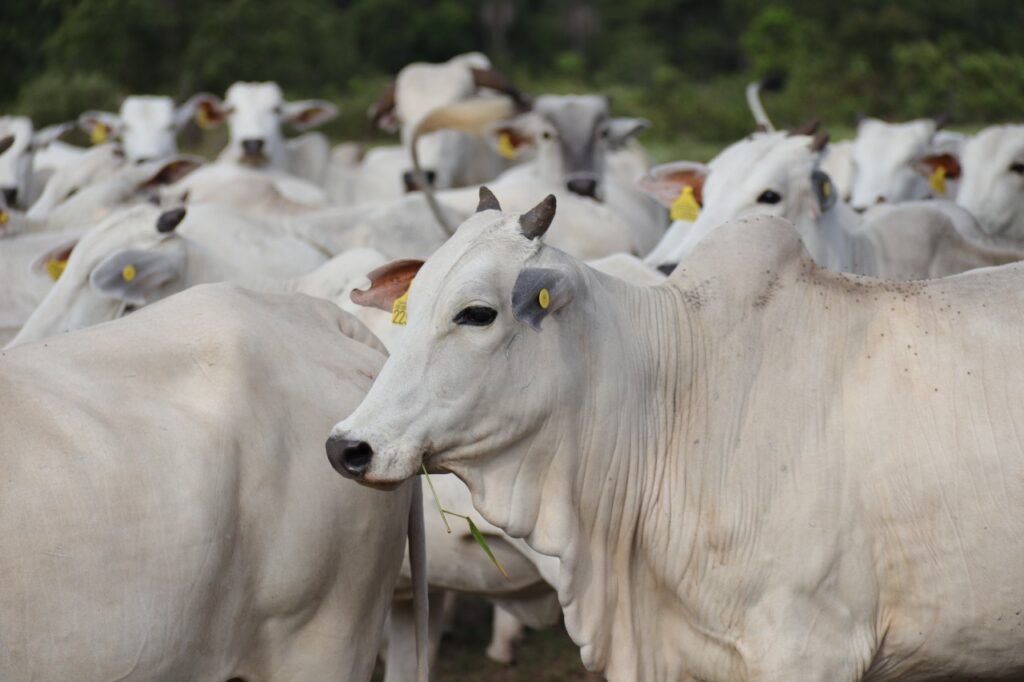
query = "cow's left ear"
x=619 y=131
x=133 y=276
x=50 y=134
x=387 y=283
x=824 y=189
x=309 y=113
x=539 y=292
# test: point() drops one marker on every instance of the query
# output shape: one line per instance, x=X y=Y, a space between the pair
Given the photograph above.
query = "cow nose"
x=411 y=185
x=10 y=195
x=252 y=147
x=350 y=458
x=585 y=187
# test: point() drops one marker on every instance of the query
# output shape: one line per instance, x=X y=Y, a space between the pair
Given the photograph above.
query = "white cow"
x=886 y=161
x=146 y=125
x=777 y=174
x=992 y=184
x=19 y=142
x=255 y=114
x=140 y=255
x=178 y=531
x=727 y=497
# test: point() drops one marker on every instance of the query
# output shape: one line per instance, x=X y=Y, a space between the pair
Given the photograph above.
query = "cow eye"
x=476 y=316
x=1017 y=167
x=769 y=197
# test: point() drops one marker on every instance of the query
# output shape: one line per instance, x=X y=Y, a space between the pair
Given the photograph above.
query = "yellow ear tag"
x=544 y=299
x=937 y=181
x=99 y=133
x=685 y=207
x=55 y=268
x=203 y=118
x=398 y=310
x=128 y=273
x=506 y=148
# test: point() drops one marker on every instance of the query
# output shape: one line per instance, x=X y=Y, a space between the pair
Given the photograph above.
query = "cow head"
x=255 y=114
x=19 y=142
x=146 y=125
x=766 y=174
x=129 y=260
x=421 y=89
x=571 y=136
x=885 y=159
x=992 y=186
x=492 y=292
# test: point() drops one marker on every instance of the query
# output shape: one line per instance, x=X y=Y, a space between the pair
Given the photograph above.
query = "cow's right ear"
x=667 y=182
x=100 y=126
x=133 y=276
x=387 y=284
x=511 y=137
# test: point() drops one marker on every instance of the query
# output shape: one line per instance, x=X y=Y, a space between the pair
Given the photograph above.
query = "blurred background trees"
x=682 y=63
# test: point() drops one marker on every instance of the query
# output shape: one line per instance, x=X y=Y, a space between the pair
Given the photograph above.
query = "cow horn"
x=488 y=202
x=808 y=128
x=384 y=105
x=819 y=141
x=491 y=79
x=537 y=220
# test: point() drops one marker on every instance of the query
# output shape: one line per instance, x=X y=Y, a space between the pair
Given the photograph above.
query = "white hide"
x=171 y=468
x=726 y=499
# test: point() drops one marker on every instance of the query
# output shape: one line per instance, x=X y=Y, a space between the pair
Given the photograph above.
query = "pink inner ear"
x=387 y=283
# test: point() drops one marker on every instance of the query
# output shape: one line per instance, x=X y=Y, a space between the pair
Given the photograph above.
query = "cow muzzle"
x=350 y=458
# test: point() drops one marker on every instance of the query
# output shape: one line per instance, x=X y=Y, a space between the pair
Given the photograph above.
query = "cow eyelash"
x=475 y=316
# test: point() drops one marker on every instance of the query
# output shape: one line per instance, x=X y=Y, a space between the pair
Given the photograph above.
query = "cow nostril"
x=586 y=187
x=252 y=147
x=350 y=458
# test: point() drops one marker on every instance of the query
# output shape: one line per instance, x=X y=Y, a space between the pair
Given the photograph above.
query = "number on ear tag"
x=685 y=207
x=398 y=309
x=937 y=181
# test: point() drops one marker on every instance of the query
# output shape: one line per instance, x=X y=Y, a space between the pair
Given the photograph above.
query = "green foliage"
x=681 y=63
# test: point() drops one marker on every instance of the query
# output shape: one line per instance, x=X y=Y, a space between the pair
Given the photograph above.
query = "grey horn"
x=488 y=202
x=537 y=220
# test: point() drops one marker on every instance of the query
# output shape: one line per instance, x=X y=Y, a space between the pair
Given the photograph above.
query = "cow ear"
x=207 y=110
x=928 y=164
x=539 y=292
x=100 y=126
x=387 y=283
x=170 y=171
x=309 y=113
x=667 y=182
x=511 y=137
x=133 y=276
x=824 y=189
x=619 y=131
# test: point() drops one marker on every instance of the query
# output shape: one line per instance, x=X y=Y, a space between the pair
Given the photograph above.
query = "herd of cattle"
x=742 y=420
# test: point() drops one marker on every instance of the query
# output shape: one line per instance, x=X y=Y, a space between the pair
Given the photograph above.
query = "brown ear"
x=387 y=283
x=926 y=165
x=666 y=182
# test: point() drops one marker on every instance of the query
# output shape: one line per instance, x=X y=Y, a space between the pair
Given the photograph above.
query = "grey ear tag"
x=539 y=292
x=823 y=189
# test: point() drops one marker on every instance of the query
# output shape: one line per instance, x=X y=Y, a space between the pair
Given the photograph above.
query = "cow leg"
x=506 y=633
x=400 y=662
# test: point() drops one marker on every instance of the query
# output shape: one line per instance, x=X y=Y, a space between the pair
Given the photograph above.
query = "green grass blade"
x=479 y=537
x=437 y=501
